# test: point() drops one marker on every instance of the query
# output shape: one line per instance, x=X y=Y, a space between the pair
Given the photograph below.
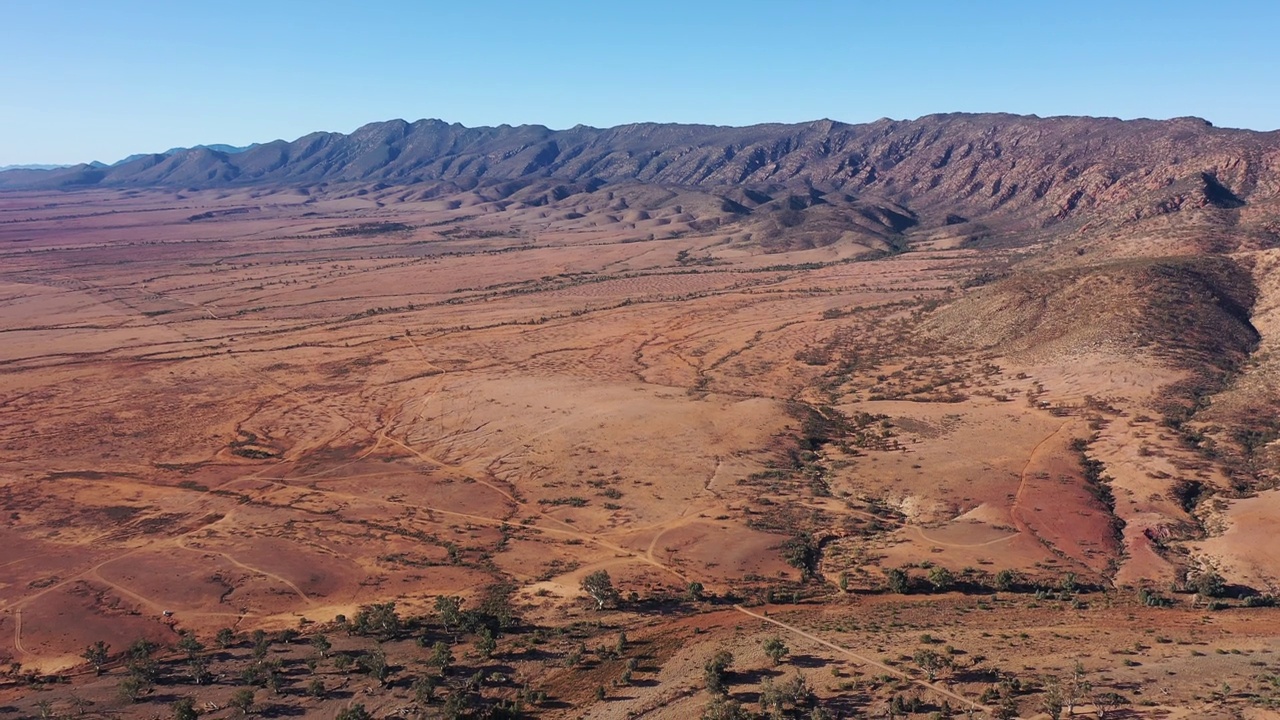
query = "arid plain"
x=263 y=409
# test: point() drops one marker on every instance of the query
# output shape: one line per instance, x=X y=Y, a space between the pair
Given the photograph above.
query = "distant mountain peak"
x=33 y=166
x=216 y=147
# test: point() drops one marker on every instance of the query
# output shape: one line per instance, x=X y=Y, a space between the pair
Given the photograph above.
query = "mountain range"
x=950 y=167
x=35 y=166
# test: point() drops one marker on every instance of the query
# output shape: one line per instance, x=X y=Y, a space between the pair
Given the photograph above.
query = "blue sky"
x=100 y=79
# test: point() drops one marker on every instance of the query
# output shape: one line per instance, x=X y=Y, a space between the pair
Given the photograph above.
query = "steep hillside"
x=1190 y=313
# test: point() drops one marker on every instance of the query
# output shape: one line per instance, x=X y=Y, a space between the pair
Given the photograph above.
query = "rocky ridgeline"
x=1006 y=169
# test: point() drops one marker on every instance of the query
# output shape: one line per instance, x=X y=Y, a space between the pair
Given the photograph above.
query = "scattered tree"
x=185 y=709
x=190 y=645
x=132 y=687
x=242 y=700
x=377 y=619
x=600 y=587
x=1076 y=689
x=1107 y=702
x=801 y=553
x=778 y=700
x=487 y=644
x=1209 y=584
x=261 y=644
x=321 y=644
x=941 y=578
x=715 y=671
x=449 y=608
x=771 y=703
x=458 y=704
x=374 y=664
x=424 y=689
x=1068 y=583
x=930 y=662
x=574 y=658
x=1052 y=702
x=897 y=580
x=694 y=591
x=775 y=649
x=225 y=638
x=97 y=654
x=141 y=649
x=441 y=656
x=1007 y=708
x=723 y=708
x=264 y=673
x=198 y=669
x=78 y=703
x=1004 y=580
x=142 y=669
x=496 y=610
x=354 y=712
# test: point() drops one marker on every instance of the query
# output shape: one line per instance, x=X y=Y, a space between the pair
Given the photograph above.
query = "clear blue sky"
x=100 y=79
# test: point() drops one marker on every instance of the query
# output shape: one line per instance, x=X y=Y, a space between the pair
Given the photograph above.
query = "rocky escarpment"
x=1026 y=171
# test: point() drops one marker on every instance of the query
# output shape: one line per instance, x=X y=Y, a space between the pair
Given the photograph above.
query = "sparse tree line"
x=1006 y=697
x=261 y=665
x=457 y=642
x=789 y=698
x=801 y=551
x=599 y=587
x=461 y=649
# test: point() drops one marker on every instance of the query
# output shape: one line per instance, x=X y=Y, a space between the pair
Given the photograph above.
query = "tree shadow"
x=751 y=677
x=808 y=662
x=281 y=710
x=1128 y=685
x=1239 y=592
x=975 y=675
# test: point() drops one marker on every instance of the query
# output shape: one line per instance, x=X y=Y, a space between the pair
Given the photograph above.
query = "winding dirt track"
x=920 y=532
x=1022 y=483
x=1014 y=509
x=864 y=660
x=479 y=472
x=93 y=571
x=257 y=571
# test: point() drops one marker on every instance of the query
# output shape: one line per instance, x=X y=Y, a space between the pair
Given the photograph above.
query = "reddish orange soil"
x=262 y=419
